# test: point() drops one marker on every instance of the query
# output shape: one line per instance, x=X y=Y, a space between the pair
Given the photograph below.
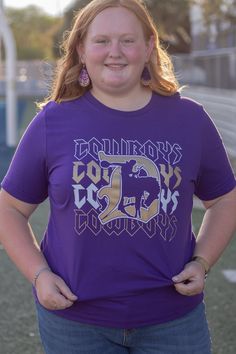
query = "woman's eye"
x=128 y=41
x=101 y=41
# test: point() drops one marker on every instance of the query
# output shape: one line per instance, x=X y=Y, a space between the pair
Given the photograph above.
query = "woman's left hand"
x=191 y=280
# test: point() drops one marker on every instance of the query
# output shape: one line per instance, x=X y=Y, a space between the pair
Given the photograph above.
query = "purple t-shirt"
x=120 y=186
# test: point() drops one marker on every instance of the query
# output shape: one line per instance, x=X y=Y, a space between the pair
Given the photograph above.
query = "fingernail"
x=175 y=278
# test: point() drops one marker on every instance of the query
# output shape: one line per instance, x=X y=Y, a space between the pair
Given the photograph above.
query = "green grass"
x=18 y=329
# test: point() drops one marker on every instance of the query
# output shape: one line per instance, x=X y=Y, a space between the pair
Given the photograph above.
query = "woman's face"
x=115 y=51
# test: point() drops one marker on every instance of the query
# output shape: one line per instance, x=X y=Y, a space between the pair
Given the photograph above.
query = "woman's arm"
x=218 y=226
x=21 y=245
x=216 y=231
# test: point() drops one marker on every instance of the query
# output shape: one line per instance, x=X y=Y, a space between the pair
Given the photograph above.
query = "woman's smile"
x=115 y=67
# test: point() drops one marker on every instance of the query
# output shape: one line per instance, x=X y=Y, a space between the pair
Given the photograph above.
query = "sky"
x=53 y=7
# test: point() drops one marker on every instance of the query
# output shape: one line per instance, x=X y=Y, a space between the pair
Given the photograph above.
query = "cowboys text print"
x=126 y=186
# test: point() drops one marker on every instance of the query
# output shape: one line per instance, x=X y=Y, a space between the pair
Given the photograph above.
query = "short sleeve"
x=215 y=177
x=26 y=178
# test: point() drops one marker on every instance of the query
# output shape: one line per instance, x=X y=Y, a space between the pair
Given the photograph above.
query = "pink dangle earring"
x=146 y=77
x=84 y=79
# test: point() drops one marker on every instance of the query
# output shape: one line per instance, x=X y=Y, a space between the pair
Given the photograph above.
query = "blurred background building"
x=212 y=61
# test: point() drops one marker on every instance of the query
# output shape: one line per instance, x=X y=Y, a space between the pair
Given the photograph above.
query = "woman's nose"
x=115 y=49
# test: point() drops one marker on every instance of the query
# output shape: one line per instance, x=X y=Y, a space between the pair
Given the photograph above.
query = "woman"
x=120 y=154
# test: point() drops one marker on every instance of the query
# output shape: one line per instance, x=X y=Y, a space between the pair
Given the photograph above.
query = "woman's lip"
x=116 y=65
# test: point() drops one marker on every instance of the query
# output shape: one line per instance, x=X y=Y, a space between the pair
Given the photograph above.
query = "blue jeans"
x=187 y=335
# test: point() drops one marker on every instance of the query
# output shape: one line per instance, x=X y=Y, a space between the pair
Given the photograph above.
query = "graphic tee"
x=120 y=187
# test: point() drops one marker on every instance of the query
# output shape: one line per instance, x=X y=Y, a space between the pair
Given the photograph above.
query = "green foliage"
x=173 y=23
x=33 y=30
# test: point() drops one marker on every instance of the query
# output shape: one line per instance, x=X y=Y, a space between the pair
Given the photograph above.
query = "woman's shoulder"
x=183 y=108
x=180 y=98
x=53 y=106
x=53 y=109
x=180 y=105
x=189 y=101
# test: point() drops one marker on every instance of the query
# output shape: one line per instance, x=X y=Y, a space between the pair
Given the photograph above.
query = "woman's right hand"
x=53 y=293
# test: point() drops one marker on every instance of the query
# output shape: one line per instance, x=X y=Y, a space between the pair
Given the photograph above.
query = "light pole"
x=58 y=4
x=10 y=62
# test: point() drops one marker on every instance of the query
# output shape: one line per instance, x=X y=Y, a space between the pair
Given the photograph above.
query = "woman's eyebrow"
x=110 y=34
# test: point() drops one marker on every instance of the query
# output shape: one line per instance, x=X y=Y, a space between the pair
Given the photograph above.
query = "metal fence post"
x=11 y=101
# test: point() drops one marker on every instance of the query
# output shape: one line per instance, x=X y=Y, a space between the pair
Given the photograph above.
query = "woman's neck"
x=124 y=102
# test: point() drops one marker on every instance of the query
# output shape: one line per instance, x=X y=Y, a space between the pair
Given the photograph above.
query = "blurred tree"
x=173 y=23
x=67 y=23
x=219 y=23
x=219 y=10
x=33 y=30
